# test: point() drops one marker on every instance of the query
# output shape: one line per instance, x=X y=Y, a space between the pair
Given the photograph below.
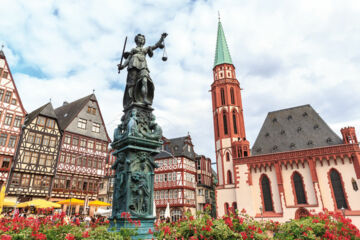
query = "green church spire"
x=222 y=54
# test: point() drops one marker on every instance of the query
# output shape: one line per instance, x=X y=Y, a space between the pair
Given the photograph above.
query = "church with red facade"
x=296 y=165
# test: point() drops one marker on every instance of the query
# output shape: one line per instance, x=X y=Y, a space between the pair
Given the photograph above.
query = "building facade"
x=106 y=188
x=175 y=179
x=12 y=115
x=297 y=163
x=34 y=167
x=83 y=151
x=205 y=185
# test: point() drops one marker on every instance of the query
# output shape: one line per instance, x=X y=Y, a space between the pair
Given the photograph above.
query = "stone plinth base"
x=142 y=231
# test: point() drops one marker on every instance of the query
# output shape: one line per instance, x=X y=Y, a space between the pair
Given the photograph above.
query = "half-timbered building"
x=205 y=185
x=34 y=167
x=12 y=115
x=106 y=188
x=175 y=179
x=83 y=151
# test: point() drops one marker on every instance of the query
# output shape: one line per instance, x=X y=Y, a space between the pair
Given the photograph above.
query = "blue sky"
x=286 y=53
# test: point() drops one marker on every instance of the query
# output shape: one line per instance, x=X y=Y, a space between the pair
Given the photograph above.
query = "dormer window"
x=292 y=145
x=258 y=149
x=328 y=140
x=310 y=143
x=305 y=114
x=299 y=129
x=282 y=132
x=274 y=120
x=275 y=147
x=316 y=126
x=289 y=117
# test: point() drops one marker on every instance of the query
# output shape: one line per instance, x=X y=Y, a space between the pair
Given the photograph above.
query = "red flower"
x=85 y=234
x=77 y=221
x=69 y=236
x=6 y=237
x=150 y=231
x=166 y=230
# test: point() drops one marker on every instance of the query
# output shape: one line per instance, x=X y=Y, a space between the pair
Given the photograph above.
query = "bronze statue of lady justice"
x=139 y=86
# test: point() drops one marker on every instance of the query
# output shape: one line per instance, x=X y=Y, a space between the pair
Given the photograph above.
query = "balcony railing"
x=161 y=202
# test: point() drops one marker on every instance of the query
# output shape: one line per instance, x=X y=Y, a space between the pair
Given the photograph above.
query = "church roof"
x=177 y=147
x=2 y=55
x=294 y=128
x=67 y=112
x=222 y=53
x=46 y=110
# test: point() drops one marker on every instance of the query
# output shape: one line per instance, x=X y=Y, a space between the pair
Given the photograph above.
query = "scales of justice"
x=137 y=139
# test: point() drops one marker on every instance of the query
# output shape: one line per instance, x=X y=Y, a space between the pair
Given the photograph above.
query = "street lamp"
x=343 y=210
x=261 y=212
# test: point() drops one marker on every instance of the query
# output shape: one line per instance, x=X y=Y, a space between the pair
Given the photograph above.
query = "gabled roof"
x=294 y=128
x=46 y=110
x=69 y=111
x=177 y=147
x=222 y=53
x=2 y=56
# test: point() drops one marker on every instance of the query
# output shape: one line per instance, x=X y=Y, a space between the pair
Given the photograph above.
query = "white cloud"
x=285 y=53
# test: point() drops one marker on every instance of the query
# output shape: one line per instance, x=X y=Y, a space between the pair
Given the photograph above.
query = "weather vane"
x=2 y=46
x=219 y=15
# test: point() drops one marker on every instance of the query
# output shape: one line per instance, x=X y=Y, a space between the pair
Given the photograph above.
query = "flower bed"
x=56 y=227
x=326 y=225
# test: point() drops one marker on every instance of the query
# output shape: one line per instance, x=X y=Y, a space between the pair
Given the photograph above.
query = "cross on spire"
x=219 y=15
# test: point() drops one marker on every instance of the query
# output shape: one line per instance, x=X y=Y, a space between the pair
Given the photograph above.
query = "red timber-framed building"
x=106 y=188
x=83 y=151
x=296 y=165
x=12 y=115
x=175 y=179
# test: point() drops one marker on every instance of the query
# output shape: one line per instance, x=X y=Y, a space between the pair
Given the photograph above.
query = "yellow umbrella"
x=2 y=197
x=9 y=204
x=38 y=203
x=48 y=205
x=98 y=203
x=71 y=201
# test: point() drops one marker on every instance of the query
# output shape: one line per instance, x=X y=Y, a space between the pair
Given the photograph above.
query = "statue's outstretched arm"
x=159 y=44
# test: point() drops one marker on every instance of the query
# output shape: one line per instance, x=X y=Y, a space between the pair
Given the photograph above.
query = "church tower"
x=229 y=127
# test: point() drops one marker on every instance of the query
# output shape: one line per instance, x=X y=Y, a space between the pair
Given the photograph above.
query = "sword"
x=122 y=56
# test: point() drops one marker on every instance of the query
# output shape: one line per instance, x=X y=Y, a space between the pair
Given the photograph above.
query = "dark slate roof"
x=46 y=110
x=177 y=147
x=67 y=112
x=2 y=55
x=293 y=129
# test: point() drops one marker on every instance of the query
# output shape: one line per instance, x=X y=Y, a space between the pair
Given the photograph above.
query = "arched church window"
x=227 y=157
x=232 y=96
x=215 y=98
x=217 y=125
x=225 y=124
x=234 y=206
x=229 y=177
x=234 y=122
x=226 y=208
x=222 y=92
x=299 y=188
x=354 y=184
x=338 y=189
x=266 y=194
